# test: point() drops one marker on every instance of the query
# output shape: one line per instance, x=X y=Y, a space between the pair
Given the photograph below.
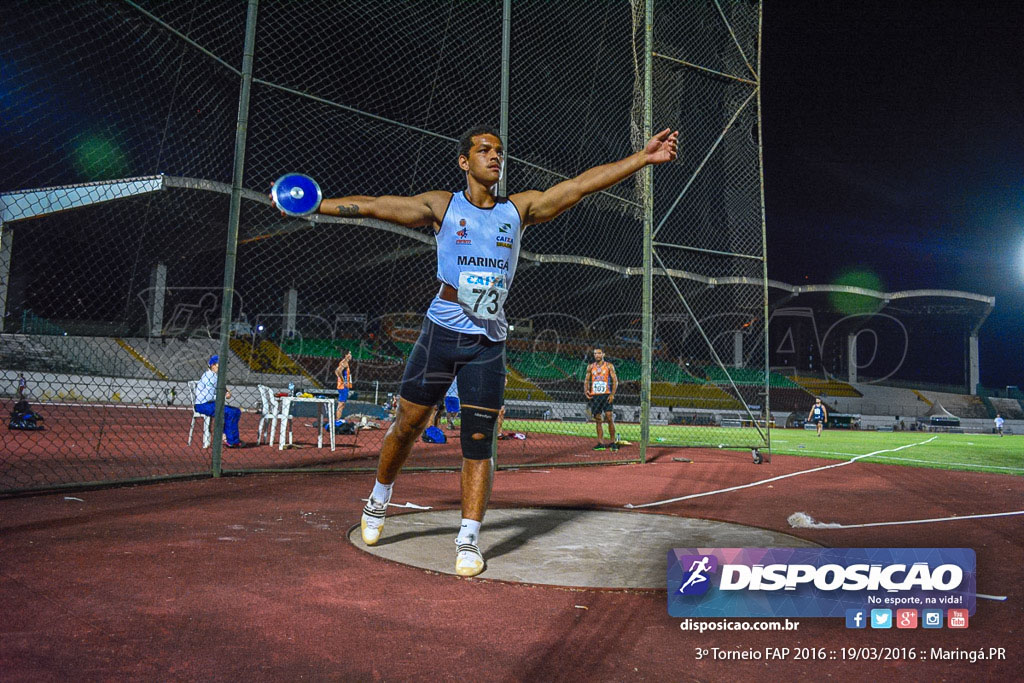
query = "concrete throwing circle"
x=560 y=547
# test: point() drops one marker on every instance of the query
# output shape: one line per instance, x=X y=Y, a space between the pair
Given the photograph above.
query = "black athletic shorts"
x=599 y=404
x=441 y=354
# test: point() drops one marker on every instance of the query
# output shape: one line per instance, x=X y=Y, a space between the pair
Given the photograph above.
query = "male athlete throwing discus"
x=599 y=387
x=463 y=335
x=818 y=414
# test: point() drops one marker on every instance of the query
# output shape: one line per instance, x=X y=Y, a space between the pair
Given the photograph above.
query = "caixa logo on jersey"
x=486 y=280
x=816 y=582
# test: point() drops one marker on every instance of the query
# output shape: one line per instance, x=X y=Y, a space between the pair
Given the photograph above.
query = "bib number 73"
x=491 y=305
x=482 y=295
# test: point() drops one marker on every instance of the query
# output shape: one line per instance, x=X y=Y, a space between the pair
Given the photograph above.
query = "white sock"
x=469 y=532
x=381 y=492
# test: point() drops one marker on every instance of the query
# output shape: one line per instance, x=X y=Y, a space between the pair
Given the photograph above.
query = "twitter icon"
x=881 y=618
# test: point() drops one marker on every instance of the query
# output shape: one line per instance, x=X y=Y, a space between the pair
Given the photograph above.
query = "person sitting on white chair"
x=206 y=395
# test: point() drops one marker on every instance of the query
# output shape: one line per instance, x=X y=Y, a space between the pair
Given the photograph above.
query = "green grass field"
x=977 y=452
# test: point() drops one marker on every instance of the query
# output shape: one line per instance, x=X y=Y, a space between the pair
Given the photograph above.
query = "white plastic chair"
x=206 y=418
x=271 y=413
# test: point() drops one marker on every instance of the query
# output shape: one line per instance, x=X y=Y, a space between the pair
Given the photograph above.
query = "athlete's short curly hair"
x=466 y=141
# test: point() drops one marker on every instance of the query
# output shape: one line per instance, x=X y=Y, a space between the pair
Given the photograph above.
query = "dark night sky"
x=894 y=141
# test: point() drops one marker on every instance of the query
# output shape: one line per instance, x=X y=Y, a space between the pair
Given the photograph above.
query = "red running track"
x=92 y=443
x=253 y=578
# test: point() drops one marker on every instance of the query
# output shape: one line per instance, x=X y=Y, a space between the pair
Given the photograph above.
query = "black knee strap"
x=477 y=422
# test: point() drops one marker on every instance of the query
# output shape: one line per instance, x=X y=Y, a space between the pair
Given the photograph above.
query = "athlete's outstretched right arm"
x=413 y=212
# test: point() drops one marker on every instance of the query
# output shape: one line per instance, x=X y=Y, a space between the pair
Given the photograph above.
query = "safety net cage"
x=122 y=270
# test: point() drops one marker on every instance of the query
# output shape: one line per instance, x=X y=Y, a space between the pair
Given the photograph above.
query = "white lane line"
x=931 y=462
x=780 y=477
x=802 y=520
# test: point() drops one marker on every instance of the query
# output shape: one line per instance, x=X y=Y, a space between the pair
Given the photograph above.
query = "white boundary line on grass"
x=960 y=464
x=931 y=462
x=783 y=476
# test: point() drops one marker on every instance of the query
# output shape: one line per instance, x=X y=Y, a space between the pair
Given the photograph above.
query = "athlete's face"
x=598 y=355
x=485 y=159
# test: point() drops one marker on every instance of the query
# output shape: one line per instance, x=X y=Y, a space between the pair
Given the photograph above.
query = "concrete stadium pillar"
x=851 y=358
x=291 y=306
x=157 y=296
x=973 y=365
x=737 y=349
x=6 y=246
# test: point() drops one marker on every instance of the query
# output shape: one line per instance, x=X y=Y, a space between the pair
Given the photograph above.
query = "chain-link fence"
x=710 y=301
x=119 y=132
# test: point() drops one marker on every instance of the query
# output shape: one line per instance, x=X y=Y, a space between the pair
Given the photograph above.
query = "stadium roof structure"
x=20 y=205
x=976 y=307
x=938 y=411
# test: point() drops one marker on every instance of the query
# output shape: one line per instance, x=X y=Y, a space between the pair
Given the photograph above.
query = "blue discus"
x=296 y=194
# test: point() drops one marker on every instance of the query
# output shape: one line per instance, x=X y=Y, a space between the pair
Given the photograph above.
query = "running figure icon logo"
x=696 y=581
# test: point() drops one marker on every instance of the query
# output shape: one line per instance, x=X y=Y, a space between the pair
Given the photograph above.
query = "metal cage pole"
x=231 y=255
x=764 y=246
x=648 y=221
x=506 y=32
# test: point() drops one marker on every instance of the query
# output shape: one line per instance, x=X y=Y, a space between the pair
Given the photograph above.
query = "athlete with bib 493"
x=478 y=239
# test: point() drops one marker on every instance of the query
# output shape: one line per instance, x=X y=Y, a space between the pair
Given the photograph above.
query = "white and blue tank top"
x=476 y=244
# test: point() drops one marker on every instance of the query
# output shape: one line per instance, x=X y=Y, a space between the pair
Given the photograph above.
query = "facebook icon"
x=856 y=618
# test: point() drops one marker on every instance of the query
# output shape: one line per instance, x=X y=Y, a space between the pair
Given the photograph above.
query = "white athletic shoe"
x=372 y=522
x=468 y=560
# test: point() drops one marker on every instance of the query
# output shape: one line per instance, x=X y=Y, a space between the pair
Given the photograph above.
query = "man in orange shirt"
x=599 y=387
x=344 y=374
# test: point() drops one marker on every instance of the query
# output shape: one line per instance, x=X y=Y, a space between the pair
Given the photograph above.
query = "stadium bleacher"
x=826 y=387
x=961 y=405
x=540 y=376
x=881 y=400
x=1009 y=408
x=178 y=359
x=519 y=388
x=665 y=371
x=185 y=359
x=690 y=395
x=747 y=377
x=627 y=370
x=404 y=347
x=546 y=365
x=62 y=354
x=790 y=399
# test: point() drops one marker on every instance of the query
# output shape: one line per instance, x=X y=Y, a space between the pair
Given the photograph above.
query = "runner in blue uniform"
x=478 y=238
x=818 y=414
